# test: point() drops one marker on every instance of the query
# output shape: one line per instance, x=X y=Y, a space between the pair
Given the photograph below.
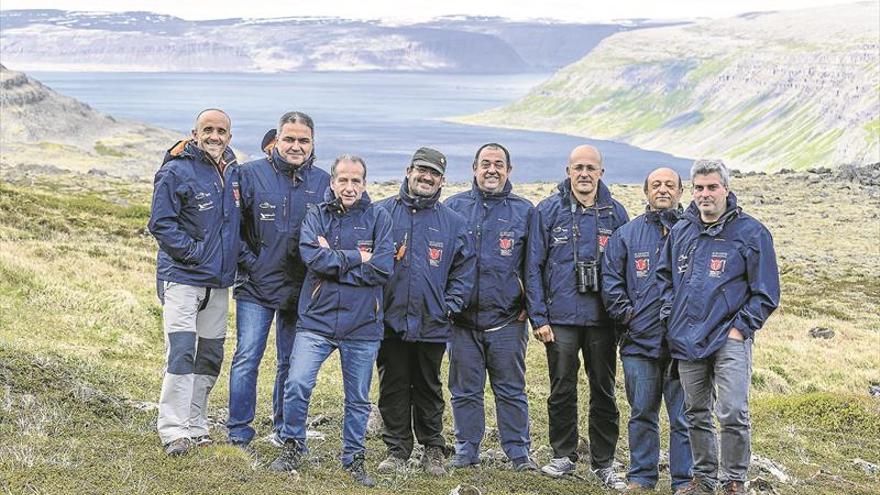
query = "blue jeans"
x=310 y=350
x=648 y=381
x=252 y=323
x=729 y=371
x=502 y=353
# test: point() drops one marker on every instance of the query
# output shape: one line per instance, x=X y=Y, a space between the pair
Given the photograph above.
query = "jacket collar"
x=187 y=148
x=334 y=204
x=732 y=211
x=603 y=194
x=294 y=172
x=417 y=202
x=665 y=218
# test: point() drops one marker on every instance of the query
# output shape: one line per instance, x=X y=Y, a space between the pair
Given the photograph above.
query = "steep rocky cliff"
x=39 y=127
x=764 y=91
x=143 y=41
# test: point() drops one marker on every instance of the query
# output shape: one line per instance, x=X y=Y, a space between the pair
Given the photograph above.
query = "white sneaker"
x=609 y=478
x=559 y=467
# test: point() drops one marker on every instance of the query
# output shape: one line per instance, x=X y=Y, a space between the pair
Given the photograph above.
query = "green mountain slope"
x=763 y=91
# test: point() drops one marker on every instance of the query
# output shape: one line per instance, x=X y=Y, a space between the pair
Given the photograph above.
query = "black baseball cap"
x=431 y=158
x=268 y=138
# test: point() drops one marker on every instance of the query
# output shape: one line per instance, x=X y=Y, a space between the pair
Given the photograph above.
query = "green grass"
x=81 y=350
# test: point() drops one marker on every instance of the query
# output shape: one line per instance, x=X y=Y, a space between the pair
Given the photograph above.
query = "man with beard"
x=631 y=291
x=720 y=284
x=491 y=335
x=346 y=244
x=275 y=193
x=432 y=279
x=566 y=240
x=195 y=219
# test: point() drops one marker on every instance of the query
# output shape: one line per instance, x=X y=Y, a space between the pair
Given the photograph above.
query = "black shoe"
x=359 y=473
x=289 y=459
x=524 y=464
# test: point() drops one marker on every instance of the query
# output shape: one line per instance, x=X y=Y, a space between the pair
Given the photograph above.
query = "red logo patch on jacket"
x=505 y=243
x=717 y=264
x=643 y=264
x=435 y=253
x=365 y=246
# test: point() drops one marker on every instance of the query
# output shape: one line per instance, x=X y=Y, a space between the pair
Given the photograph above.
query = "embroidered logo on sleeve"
x=435 y=253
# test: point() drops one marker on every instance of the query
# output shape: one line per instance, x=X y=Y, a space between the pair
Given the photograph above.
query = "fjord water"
x=383 y=117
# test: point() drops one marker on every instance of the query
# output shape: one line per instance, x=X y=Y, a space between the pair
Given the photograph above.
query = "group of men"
x=402 y=281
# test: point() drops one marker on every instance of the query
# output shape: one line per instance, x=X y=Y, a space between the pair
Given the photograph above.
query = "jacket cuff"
x=352 y=257
x=744 y=329
x=538 y=321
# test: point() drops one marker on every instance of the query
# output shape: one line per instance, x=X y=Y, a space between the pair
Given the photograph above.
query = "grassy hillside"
x=764 y=91
x=81 y=354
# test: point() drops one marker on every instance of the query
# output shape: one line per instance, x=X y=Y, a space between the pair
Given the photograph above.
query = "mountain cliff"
x=39 y=127
x=143 y=41
x=763 y=91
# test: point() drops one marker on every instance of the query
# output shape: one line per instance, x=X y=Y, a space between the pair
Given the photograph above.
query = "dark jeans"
x=501 y=353
x=410 y=394
x=598 y=345
x=719 y=383
x=648 y=382
x=252 y=331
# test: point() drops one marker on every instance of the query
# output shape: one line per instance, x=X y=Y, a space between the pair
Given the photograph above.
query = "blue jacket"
x=342 y=296
x=630 y=288
x=274 y=200
x=195 y=218
x=498 y=229
x=434 y=269
x=551 y=288
x=716 y=277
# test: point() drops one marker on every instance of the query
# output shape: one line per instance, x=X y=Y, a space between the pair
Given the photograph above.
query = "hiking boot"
x=633 y=487
x=697 y=486
x=391 y=464
x=559 y=467
x=290 y=458
x=202 y=440
x=178 y=447
x=734 y=488
x=432 y=461
x=358 y=473
x=610 y=479
x=524 y=464
x=460 y=461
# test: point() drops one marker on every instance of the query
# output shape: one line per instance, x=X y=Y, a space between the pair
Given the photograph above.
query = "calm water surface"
x=383 y=117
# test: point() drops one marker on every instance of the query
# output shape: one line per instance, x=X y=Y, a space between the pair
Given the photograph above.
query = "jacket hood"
x=187 y=148
x=504 y=193
x=417 y=202
x=666 y=218
x=603 y=194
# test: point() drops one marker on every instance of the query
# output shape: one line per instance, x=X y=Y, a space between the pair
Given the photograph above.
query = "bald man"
x=195 y=220
x=631 y=291
x=566 y=242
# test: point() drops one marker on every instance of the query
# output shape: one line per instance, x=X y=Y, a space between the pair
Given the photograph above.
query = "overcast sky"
x=568 y=10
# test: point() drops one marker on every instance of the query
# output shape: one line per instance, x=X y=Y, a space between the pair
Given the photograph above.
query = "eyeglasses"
x=422 y=170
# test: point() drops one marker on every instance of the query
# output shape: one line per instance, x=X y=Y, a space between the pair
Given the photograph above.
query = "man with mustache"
x=490 y=336
x=346 y=244
x=276 y=191
x=195 y=219
x=631 y=291
x=566 y=240
x=720 y=284
x=432 y=279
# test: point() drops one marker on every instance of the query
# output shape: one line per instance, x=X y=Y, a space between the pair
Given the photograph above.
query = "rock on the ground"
x=465 y=489
x=821 y=333
x=874 y=390
x=866 y=466
x=773 y=468
x=760 y=486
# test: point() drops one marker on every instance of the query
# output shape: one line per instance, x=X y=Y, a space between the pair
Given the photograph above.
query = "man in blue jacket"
x=275 y=193
x=720 y=284
x=195 y=220
x=346 y=245
x=491 y=335
x=567 y=236
x=631 y=291
x=432 y=281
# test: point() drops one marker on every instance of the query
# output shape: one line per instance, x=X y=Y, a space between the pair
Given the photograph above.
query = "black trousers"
x=410 y=394
x=599 y=348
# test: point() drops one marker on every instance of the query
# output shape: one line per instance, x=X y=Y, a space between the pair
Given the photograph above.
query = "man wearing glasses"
x=432 y=277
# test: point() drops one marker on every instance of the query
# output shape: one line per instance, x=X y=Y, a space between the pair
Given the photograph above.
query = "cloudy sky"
x=569 y=10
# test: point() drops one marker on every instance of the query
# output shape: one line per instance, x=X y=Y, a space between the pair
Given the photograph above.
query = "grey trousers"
x=720 y=382
x=195 y=328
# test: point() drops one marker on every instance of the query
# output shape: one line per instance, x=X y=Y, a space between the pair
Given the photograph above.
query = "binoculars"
x=587 y=276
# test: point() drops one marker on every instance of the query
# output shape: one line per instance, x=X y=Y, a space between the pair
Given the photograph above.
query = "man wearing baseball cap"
x=432 y=277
